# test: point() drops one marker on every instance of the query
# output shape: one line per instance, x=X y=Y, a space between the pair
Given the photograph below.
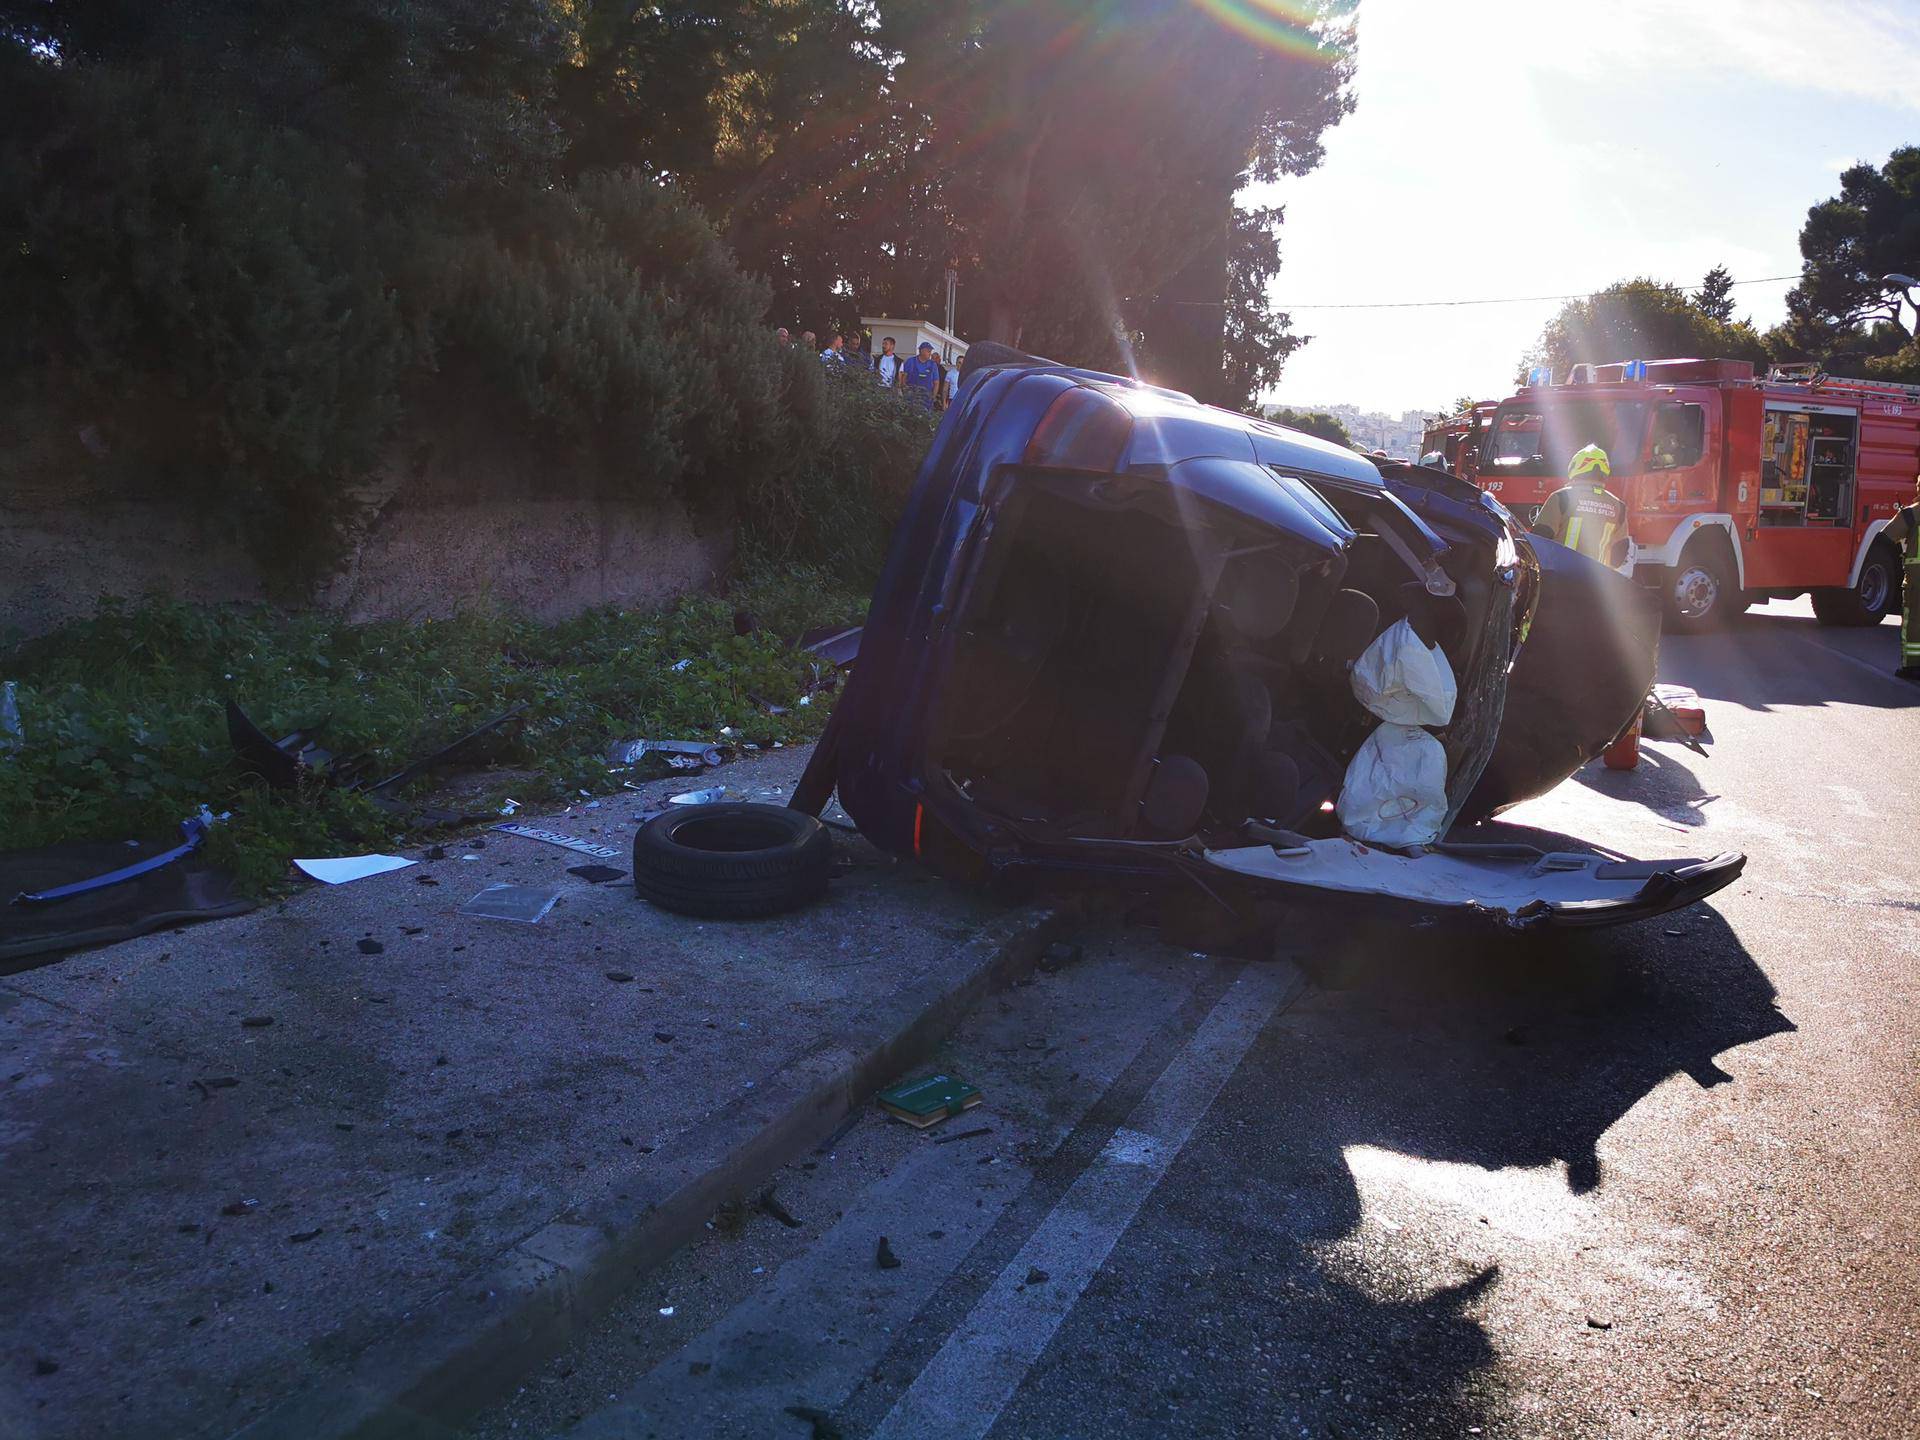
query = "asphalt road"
x=1658 y=1181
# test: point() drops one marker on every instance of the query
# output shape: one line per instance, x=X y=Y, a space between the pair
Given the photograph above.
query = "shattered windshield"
x=1540 y=440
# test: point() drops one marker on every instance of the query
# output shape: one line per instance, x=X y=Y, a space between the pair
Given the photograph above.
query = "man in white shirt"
x=887 y=364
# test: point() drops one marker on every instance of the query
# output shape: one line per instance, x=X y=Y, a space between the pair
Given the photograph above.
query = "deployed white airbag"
x=1403 y=680
x=1396 y=788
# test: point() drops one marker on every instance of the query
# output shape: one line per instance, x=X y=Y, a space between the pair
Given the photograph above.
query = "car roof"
x=1169 y=427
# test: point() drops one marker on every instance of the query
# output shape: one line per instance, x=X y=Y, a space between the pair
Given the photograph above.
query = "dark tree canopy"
x=1314 y=422
x=1065 y=159
x=242 y=238
x=1638 y=320
x=1715 y=295
x=1842 y=314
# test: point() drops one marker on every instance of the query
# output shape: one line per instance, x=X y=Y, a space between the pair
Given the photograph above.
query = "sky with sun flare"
x=1507 y=148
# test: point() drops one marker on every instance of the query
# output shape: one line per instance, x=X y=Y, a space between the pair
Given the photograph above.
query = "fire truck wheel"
x=1701 y=591
x=1873 y=597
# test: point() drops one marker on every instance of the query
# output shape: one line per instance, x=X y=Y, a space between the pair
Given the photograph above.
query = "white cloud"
x=1516 y=147
x=1863 y=50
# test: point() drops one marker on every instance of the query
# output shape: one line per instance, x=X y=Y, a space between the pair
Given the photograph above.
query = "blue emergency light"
x=1540 y=375
x=1634 y=370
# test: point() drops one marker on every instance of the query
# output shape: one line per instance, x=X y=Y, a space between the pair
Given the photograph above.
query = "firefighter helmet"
x=1592 y=457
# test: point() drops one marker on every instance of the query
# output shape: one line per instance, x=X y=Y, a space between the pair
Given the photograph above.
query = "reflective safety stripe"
x=1910 y=612
x=1575 y=529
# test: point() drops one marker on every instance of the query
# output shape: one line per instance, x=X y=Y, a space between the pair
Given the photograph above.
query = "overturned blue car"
x=1119 y=640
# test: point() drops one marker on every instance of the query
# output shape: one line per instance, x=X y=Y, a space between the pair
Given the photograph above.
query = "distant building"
x=1398 y=435
x=907 y=335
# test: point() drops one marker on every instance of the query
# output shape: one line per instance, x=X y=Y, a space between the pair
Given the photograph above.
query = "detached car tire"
x=732 y=862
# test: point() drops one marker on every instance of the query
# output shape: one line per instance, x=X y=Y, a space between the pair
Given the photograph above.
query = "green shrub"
x=125 y=722
x=208 y=298
x=834 y=495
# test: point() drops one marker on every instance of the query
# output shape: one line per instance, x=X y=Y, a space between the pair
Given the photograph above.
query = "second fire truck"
x=1739 y=488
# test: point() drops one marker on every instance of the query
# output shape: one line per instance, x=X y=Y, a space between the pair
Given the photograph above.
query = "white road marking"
x=969 y=1381
x=807 y=1338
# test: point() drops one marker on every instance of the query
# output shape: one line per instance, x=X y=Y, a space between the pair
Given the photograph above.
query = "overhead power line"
x=1499 y=300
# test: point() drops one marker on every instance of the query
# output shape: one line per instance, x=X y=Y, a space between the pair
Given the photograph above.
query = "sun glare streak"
x=1273 y=24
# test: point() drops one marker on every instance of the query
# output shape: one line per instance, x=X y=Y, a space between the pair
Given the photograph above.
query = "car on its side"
x=1113 y=641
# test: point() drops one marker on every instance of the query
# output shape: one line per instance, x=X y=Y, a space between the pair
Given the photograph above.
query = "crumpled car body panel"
x=1110 y=642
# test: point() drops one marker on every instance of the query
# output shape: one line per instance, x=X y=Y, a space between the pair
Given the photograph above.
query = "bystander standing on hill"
x=921 y=375
x=833 y=354
x=855 y=353
x=887 y=365
x=782 y=336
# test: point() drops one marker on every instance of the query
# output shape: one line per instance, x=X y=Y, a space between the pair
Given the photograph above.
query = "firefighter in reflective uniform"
x=1583 y=514
x=1904 y=531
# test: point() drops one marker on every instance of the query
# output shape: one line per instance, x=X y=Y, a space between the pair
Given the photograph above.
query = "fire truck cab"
x=1738 y=488
x=1458 y=438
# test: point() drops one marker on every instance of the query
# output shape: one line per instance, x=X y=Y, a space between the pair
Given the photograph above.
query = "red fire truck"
x=1458 y=438
x=1738 y=488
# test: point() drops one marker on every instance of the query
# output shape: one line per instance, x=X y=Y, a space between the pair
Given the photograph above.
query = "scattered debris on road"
x=341 y=869
x=680 y=754
x=929 y=1100
x=565 y=842
x=523 y=904
x=596 y=874
x=973 y=1134
x=769 y=1204
x=884 y=1257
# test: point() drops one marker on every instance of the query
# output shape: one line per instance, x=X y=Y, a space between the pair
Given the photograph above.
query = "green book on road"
x=929 y=1100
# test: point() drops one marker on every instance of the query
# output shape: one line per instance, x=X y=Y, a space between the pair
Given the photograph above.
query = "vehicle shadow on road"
x=1763 y=661
x=1663 y=782
x=1432 y=1107
x=1420 y=1053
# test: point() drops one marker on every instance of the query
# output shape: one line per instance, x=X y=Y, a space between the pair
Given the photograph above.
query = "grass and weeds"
x=125 y=730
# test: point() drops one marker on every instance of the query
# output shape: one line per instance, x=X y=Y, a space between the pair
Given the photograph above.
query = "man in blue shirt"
x=921 y=374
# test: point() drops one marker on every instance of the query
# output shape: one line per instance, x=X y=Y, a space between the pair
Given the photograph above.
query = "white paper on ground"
x=352 y=867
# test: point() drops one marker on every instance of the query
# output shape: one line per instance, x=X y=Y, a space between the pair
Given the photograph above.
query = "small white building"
x=907 y=335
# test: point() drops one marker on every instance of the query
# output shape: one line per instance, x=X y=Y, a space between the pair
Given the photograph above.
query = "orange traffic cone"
x=1624 y=753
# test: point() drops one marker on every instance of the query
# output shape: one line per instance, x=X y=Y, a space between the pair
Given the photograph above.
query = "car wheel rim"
x=1874 y=585
x=1695 y=592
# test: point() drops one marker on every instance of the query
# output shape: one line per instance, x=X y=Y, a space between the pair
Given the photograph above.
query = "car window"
x=1679 y=437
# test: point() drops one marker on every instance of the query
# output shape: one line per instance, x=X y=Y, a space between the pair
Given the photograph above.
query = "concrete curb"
x=471 y=1344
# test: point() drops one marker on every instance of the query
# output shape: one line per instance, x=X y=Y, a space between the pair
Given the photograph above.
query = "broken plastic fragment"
x=713 y=795
x=509 y=807
x=193 y=830
x=11 y=735
x=524 y=904
x=682 y=754
x=679 y=666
